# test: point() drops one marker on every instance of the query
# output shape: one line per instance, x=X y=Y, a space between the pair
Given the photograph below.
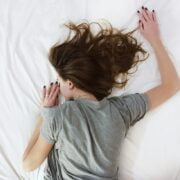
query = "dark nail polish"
x=153 y=10
x=51 y=83
x=142 y=7
x=146 y=9
x=59 y=85
x=138 y=11
x=139 y=21
x=44 y=86
x=56 y=82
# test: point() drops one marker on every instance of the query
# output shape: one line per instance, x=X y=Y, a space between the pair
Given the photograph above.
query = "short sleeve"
x=52 y=123
x=132 y=107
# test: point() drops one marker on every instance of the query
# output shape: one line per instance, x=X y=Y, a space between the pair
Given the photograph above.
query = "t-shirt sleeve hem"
x=44 y=135
x=146 y=100
x=48 y=110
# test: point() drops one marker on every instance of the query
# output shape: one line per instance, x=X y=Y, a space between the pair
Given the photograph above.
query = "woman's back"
x=88 y=135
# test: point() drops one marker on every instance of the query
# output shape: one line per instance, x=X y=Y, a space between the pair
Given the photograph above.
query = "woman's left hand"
x=148 y=25
x=50 y=95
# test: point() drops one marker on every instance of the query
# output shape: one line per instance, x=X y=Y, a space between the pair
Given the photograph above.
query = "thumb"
x=141 y=27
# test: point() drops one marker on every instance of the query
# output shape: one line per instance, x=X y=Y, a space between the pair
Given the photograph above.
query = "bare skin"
x=170 y=82
x=38 y=149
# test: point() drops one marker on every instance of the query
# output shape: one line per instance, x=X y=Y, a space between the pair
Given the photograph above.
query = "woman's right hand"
x=148 y=25
x=50 y=95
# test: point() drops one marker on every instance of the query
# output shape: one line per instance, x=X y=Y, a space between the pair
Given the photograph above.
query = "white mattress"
x=27 y=31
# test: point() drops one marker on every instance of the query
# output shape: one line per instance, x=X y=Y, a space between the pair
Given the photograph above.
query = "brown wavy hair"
x=92 y=61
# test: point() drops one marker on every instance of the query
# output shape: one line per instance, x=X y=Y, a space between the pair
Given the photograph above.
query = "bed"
x=28 y=29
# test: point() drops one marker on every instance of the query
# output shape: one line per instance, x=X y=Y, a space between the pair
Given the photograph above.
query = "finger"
x=57 y=100
x=154 y=16
x=141 y=17
x=56 y=92
x=49 y=89
x=141 y=26
x=144 y=14
x=53 y=88
x=148 y=13
x=44 y=92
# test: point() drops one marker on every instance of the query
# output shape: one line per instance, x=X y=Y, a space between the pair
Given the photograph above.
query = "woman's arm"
x=34 y=137
x=53 y=92
x=38 y=148
x=168 y=72
x=170 y=82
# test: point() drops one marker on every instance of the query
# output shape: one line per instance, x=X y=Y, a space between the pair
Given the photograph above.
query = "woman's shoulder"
x=68 y=104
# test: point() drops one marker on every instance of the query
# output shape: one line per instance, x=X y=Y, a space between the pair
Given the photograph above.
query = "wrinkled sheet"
x=29 y=28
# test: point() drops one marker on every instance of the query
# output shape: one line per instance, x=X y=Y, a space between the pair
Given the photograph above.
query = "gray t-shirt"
x=87 y=135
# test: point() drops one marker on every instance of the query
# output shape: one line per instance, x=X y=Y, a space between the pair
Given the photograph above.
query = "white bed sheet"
x=28 y=29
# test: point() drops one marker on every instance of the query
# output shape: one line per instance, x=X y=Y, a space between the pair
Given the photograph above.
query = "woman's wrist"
x=156 y=43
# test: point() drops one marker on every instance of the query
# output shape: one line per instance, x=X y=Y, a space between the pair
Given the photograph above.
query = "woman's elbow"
x=176 y=86
x=173 y=87
x=27 y=166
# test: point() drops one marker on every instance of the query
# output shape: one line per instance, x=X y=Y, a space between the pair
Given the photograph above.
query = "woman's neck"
x=84 y=95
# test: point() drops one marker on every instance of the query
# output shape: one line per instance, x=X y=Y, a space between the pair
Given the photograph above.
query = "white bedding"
x=28 y=29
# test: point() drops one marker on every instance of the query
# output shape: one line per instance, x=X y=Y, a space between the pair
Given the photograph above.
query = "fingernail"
x=138 y=11
x=59 y=85
x=153 y=10
x=142 y=7
x=146 y=9
x=51 y=83
x=44 y=86
x=56 y=82
x=139 y=21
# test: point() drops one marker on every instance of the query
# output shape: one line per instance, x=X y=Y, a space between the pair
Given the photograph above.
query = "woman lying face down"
x=82 y=138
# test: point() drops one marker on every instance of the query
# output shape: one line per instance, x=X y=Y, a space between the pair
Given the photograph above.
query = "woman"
x=82 y=137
